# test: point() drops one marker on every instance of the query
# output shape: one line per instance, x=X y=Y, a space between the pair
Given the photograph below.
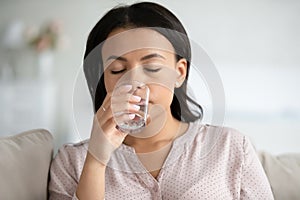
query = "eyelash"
x=152 y=70
x=118 y=72
x=145 y=69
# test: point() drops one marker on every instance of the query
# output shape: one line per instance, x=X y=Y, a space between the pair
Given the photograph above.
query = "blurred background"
x=254 y=44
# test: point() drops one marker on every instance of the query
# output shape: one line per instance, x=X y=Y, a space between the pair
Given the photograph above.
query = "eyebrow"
x=153 y=55
x=116 y=58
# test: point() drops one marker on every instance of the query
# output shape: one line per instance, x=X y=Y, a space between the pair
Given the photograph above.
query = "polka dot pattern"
x=211 y=163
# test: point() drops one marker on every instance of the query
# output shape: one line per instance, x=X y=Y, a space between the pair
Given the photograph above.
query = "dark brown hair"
x=145 y=14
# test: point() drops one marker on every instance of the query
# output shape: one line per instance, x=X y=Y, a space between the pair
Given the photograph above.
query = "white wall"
x=255 y=46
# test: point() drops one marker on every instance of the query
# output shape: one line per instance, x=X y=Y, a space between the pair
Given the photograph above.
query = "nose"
x=135 y=74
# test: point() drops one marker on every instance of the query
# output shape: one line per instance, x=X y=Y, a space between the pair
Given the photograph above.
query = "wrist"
x=93 y=161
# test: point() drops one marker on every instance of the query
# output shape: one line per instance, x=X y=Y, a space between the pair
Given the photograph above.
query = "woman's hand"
x=105 y=137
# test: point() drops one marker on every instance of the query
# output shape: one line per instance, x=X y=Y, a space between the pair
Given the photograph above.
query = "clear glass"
x=128 y=120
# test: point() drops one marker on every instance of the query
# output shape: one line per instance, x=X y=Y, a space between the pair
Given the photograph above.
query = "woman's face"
x=143 y=55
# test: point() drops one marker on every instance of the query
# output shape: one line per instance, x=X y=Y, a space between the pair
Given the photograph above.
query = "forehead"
x=122 y=41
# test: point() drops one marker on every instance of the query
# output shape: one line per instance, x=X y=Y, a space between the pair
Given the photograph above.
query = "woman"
x=175 y=156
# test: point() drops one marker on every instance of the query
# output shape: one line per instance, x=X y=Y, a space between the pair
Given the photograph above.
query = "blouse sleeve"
x=64 y=174
x=255 y=184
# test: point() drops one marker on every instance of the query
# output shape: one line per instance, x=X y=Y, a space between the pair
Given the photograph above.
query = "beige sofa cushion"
x=283 y=172
x=24 y=165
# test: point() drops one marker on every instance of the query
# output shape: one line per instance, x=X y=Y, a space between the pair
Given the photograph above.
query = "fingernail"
x=136 y=107
x=136 y=98
x=131 y=116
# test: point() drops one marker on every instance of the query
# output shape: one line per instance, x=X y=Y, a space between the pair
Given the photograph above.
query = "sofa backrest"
x=24 y=165
x=283 y=172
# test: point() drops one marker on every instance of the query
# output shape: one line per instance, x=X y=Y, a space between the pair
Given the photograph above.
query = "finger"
x=125 y=107
x=104 y=112
x=103 y=115
x=126 y=97
x=105 y=119
x=115 y=136
x=123 y=89
x=124 y=117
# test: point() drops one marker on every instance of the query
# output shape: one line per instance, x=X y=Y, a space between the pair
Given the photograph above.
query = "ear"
x=181 y=69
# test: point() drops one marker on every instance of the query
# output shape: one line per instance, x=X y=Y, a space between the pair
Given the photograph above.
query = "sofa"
x=25 y=160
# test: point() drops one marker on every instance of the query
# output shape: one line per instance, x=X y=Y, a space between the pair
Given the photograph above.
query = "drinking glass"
x=128 y=120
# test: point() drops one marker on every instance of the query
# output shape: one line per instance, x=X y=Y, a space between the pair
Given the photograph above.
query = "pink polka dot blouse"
x=207 y=162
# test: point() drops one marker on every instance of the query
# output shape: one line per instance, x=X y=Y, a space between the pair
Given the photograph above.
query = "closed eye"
x=117 y=71
x=152 y=70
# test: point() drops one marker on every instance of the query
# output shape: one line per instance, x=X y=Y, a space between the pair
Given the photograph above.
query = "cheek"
x=110 y=82
x=161 y=95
